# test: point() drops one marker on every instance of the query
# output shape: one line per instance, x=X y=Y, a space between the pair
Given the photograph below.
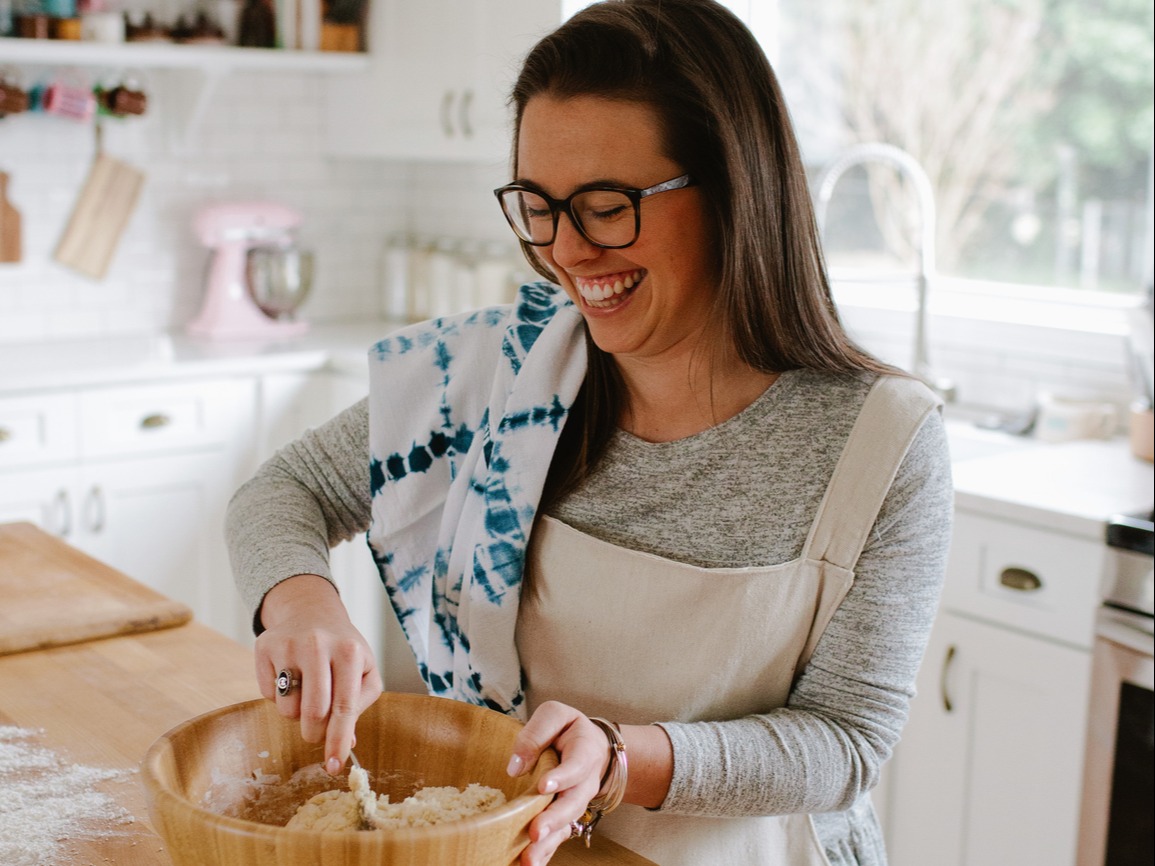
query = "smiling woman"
x=681 y=523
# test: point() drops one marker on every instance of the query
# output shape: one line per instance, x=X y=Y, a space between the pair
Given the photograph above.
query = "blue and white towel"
x=465 y=414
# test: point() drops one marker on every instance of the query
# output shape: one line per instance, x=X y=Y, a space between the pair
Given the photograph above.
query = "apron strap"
x=890 y=418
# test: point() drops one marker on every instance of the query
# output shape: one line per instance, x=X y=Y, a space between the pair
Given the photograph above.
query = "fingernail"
x=549 y=787
x=515 y=766
x=333 y=766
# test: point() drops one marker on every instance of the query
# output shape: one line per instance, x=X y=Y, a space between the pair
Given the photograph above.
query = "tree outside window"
x=1032 y=118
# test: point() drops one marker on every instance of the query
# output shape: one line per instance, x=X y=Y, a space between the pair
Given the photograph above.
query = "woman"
x=663 y=488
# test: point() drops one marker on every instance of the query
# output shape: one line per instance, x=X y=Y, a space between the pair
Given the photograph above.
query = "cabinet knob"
x=1020 y=579
x=155 y=421
x=5 y=434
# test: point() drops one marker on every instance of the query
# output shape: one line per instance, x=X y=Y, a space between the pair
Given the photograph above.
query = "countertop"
x=102 y=703
x=1067 y=487
x=142 y=358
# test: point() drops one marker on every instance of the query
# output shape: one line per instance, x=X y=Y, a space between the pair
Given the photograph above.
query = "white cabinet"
x=440 y=76
x=989 y=768
x=137 y=476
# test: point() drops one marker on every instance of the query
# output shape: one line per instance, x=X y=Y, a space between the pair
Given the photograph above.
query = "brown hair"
x=726 y=123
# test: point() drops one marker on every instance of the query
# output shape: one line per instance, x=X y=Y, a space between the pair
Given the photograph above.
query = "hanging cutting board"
x=106 y=202
x=52 y=594
x=10 y=241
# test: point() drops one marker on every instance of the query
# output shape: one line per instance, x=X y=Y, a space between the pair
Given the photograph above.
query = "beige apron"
x=638 y=638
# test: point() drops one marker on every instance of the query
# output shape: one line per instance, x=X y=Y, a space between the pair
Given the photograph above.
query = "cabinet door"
x=160 y=520
x=989 y=768
x=291 y=403
x=439 y=78
x=43 y=497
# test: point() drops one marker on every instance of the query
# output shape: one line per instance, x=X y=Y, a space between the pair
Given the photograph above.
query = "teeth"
x=596 y=292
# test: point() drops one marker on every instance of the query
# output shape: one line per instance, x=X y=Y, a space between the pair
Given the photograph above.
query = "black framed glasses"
x=607 y=216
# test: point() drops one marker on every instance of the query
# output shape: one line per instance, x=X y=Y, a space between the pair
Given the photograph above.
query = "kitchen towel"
x=465 y=414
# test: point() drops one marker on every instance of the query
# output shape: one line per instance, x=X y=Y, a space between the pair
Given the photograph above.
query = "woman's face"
x=666 y=280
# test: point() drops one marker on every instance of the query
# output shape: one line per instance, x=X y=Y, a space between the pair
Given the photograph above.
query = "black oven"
x=1118 y=806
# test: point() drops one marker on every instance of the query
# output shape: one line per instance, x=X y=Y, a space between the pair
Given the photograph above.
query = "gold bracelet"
x=613 y=788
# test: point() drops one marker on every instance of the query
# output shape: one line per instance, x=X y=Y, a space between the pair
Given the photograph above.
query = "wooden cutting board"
x=10 y=241
x=102 y=211
x=52 y=594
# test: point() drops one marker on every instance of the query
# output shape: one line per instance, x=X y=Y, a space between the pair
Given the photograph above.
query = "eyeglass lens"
x=604 y=216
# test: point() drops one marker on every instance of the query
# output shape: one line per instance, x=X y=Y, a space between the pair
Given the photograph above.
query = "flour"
x=46 y=801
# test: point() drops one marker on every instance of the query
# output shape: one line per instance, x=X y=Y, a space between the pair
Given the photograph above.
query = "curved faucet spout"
x=909 y=169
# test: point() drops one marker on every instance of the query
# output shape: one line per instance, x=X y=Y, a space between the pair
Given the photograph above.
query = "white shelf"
x=194 y=71
x=153 y=55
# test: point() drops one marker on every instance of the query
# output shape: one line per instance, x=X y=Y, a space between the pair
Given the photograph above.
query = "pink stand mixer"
x=258 y=276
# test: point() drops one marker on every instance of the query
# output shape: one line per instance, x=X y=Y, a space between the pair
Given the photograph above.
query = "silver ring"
x=286 y=682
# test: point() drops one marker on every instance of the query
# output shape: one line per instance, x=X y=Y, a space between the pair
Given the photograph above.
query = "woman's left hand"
x=585 y=755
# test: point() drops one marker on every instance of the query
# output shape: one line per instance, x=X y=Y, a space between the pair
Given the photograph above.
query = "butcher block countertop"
x=103 y=702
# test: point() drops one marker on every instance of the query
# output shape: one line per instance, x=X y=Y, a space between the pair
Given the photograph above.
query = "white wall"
x=261 y=138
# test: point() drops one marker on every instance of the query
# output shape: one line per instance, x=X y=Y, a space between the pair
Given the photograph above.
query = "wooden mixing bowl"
x=201 y=778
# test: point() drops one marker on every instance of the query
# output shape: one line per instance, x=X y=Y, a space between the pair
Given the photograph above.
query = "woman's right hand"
x=308 y=633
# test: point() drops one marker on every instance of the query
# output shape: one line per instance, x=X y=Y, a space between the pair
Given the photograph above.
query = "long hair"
x=725 y=121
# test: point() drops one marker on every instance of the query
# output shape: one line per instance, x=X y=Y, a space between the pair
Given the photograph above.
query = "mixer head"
x=244 y=222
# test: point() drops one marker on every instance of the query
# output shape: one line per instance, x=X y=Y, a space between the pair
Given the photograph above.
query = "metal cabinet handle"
x=446 y=120
x=62 y=507
x=94 y=509
x=463 y=114
x=947 y=703
x=155 y=421
x=1020 y=579
x=5 y=434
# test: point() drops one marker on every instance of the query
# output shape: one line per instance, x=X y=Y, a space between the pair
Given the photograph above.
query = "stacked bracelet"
x=613 y=788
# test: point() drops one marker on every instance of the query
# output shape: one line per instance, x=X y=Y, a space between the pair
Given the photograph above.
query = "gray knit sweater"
x=756 y=483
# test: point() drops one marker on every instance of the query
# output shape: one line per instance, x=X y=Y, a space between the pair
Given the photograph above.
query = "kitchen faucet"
x=907 y=167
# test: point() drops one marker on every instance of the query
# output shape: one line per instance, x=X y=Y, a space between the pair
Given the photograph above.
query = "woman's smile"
x=607 y=291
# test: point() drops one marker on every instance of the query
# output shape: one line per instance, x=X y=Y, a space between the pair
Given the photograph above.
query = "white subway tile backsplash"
x=259 y=139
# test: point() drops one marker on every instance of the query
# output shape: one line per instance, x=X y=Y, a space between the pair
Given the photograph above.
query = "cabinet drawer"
x=35 y=430
x=147 y=419
x=1026 y=578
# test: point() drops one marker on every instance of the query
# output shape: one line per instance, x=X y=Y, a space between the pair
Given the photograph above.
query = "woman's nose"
x=569 y=245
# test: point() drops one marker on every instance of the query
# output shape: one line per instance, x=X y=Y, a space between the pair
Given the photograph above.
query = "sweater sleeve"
x=845 y=713
x=308 y=497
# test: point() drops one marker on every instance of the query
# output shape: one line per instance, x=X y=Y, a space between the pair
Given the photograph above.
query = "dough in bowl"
x=338 y=810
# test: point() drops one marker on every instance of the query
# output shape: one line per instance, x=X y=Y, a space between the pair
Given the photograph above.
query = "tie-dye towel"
x=465 y=414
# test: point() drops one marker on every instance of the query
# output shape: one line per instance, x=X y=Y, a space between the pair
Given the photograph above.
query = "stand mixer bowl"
x=279 y=279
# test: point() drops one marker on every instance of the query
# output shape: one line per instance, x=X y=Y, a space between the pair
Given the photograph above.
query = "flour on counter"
x=46 y=801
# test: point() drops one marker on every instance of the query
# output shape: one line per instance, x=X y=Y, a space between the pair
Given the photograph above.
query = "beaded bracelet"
x=613 y=788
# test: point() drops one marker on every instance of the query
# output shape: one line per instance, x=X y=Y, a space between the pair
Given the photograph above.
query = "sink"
x=968 y=442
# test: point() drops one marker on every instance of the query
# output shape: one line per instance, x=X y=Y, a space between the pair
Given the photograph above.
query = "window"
x=1031 y=118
